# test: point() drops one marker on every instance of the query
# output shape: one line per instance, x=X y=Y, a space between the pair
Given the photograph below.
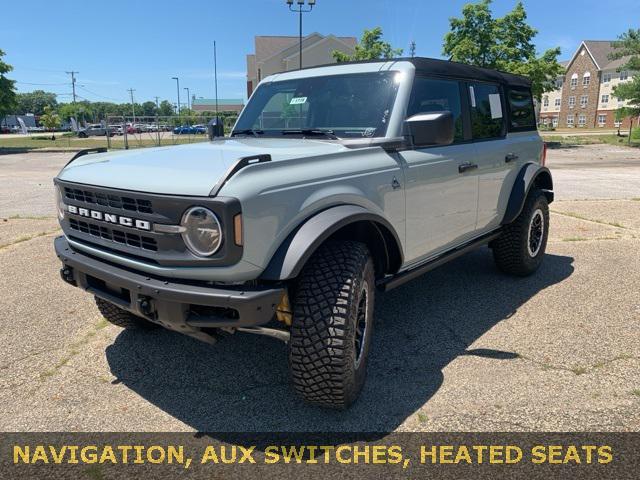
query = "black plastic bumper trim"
x=171 y=302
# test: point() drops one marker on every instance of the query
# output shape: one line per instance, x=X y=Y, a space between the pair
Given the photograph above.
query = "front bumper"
x=183 y=307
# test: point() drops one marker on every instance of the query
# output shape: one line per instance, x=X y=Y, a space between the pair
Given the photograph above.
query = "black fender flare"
x=295 y=251
x=529 y=175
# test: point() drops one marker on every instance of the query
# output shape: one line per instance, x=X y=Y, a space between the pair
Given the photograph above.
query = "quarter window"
x=486 y=111
x=521 y=111
x=431 y=95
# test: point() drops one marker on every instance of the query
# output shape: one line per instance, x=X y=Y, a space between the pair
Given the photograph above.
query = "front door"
x=441 y=182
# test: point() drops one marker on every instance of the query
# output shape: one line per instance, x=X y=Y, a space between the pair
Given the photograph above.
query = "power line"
x=97 y=94
x=73 y=83
x=43 y=84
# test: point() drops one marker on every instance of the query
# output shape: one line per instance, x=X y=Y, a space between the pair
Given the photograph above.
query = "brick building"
x=584 y=95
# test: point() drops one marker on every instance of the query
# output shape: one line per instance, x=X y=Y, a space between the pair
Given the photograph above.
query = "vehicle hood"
x=192 y=169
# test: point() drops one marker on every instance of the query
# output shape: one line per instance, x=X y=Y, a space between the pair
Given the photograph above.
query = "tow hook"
x=66 y=273
x=145 y=306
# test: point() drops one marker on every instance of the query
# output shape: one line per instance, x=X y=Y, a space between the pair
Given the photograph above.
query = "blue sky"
x=117 y=44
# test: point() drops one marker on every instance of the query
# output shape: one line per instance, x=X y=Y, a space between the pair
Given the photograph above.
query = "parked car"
x=116 y=129
x=185 y=130
x=96 y=130
x=288 y=229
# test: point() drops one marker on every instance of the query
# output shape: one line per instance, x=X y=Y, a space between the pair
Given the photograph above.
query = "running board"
x=393 y=281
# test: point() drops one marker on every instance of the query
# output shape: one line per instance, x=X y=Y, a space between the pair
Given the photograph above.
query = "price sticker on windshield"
x=298 y=100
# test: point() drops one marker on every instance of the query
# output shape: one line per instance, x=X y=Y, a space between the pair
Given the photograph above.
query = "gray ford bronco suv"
x=335 y=183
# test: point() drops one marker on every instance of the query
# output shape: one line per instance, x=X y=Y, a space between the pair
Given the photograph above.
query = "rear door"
x=489 y=133
x=441 y=192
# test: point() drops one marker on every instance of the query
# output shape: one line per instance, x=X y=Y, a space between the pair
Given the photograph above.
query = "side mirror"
x=215 y=128
x=429 y=129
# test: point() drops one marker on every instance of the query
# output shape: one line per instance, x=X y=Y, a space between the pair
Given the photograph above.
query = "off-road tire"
x=121 y=318
x=511 y=251
x=328 y=366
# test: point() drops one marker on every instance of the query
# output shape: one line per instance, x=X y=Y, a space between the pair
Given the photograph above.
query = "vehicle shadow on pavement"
x=241 y=384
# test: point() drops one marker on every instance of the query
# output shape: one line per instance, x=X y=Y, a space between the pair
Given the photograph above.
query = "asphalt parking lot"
x=464 y=348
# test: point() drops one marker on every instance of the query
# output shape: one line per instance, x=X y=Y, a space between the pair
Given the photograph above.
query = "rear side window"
x=431 y=95
x=521 y=113
x=487 y=118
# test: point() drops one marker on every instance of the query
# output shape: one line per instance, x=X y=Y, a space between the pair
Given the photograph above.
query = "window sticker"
x=472 y=93
x=298 y=100
x=496 y=105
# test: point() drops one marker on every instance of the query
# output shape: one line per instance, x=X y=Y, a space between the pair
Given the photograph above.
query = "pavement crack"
x=26 y=238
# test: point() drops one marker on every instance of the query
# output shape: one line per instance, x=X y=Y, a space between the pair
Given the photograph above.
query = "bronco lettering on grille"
x=110 y=218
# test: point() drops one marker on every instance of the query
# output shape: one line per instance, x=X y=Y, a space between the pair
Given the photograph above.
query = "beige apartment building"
x=275 y=54
x=584 y=95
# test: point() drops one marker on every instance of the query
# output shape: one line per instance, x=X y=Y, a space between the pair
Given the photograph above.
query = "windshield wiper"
x=312 y=131
x=249 y=131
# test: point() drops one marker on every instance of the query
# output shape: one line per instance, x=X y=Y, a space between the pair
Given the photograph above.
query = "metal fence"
x=137 y=132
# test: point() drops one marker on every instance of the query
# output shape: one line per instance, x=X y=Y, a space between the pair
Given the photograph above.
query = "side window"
x=522 y=115
x=430 y=95
x=486 y=111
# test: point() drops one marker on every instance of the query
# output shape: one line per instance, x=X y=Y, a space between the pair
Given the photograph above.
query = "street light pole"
x=300 y=10
x=178 y=87
x=188 y=97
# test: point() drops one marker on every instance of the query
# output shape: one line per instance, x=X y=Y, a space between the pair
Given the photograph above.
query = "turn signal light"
x=237 y=229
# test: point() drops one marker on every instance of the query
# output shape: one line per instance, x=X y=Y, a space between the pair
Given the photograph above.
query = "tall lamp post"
x=188 y=97
x=300 y=10
x=178 y=87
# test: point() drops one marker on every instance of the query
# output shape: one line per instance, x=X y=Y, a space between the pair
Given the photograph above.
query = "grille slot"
x=108 y=200
x=113 y=235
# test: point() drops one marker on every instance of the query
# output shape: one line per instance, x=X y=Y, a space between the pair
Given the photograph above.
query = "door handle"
x=464 y=167
x=395 y=184
x=511 y=157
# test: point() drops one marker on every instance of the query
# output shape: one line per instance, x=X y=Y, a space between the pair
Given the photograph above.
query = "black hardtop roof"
x=446 y=68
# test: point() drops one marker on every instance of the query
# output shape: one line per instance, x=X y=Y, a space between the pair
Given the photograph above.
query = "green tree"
x=166 y=109
x=7 y=89
x=149 y=109
x=506 y=43
x=370 y=47
x=50 y=119
x=34 y=102
x=628 y=46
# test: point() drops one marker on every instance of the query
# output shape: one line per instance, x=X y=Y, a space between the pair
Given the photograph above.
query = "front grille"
x=113 y=235
x=108 y=200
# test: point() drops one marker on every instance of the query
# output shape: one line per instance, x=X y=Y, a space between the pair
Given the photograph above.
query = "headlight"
x=59 y=203
x=202 y=232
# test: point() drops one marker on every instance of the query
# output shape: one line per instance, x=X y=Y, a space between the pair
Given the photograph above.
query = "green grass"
x=636 y=392
x=571 y=141
x=422 y=418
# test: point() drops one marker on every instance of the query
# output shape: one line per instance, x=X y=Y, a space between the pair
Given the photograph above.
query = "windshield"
x=353 y=105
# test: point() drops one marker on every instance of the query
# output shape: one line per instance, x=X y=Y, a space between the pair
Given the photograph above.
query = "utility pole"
x=133 y=105
x=73 y=83
x=157 y=104
x=412 y=48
